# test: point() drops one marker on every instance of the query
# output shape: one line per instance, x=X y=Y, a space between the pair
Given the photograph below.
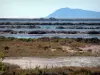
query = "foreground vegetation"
x=48 y=47
x=6 y=69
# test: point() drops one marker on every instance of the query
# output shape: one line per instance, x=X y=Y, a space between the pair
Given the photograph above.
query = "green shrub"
x=26 y=40
x=2 y=55
x=2 y=68
x=82 y=72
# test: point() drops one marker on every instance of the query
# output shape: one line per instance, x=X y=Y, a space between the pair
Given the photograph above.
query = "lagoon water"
x=52 y=35
x=53 y=28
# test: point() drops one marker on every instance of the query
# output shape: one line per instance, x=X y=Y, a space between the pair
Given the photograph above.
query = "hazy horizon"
x=42 y=8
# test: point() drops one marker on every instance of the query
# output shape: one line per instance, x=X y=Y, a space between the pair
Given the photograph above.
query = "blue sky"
x=42 y=8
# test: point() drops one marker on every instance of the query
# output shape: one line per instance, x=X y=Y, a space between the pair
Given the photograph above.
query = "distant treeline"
x=48 y=32
x=20 y=26
x=49 y=19
x=47 y=23
x=57 y=27
x=77 y=27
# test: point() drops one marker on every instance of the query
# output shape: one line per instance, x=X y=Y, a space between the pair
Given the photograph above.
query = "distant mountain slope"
x=74 y=13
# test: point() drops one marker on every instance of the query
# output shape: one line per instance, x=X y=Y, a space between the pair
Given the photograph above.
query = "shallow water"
x=52 y=35
x=26 y=29
x=53 y=28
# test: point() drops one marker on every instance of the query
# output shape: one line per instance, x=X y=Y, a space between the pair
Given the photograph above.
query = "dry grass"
x=41 y=47
x=13 y=70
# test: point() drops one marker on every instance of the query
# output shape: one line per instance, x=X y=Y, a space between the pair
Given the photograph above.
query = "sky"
x=42 y=8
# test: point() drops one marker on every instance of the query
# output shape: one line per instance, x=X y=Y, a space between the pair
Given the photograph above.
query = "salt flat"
x=32 y=62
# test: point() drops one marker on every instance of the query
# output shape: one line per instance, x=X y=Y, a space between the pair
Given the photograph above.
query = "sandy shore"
x=32 y=62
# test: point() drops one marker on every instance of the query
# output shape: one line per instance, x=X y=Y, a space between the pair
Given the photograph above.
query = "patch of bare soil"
x=91 y=48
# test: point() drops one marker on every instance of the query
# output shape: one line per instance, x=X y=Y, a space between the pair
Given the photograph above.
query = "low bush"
x=2 y=55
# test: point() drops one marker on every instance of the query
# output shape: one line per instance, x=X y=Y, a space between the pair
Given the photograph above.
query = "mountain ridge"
x=74 y=13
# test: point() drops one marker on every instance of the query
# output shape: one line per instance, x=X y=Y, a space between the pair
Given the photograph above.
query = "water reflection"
x=52 y=35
